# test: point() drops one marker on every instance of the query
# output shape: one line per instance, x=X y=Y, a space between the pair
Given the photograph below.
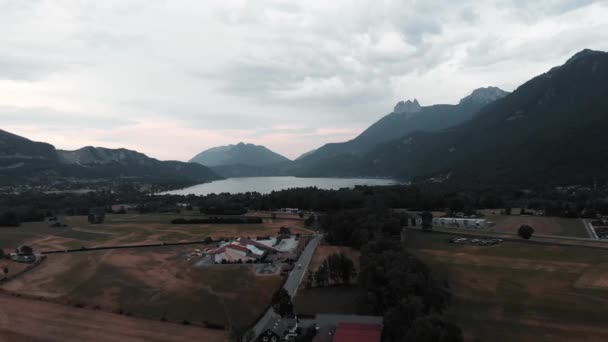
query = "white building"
x=458 y=222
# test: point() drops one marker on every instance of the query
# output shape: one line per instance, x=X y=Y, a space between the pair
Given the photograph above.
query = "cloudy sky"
x=171 y=78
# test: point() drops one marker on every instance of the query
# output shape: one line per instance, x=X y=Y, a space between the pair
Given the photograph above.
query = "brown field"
x=12 y=266
x=133 y=229
x=521 y=292
x=29 y=320
x=542 y=225
x=323 y=251
x=151 y=283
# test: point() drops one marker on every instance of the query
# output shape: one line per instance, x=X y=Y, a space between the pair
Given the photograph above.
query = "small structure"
x=97 y=215
x=24 y=254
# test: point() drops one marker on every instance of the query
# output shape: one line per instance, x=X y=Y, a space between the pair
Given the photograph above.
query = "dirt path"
x=29 y=320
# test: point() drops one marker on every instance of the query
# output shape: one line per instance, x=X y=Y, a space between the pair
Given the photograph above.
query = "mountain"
x=25 y=161
x=406 y=117
x=242 y=160
x=550 y=130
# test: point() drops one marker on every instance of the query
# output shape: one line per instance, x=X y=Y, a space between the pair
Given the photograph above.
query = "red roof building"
x=357 y=332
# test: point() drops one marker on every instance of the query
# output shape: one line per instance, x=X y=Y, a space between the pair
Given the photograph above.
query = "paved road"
x=590 y=229
x=291 y=285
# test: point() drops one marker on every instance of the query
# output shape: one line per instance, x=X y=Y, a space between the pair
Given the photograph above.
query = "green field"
x=521 y=292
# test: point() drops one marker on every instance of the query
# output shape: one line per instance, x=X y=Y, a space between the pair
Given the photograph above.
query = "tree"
x=281 y=303
x=273 y=216
x=301 y=214
x=5 y=272
x=427 y=220
x=9 y=219
x=433 y=329
x=525 y=231
x=322 y=275
x=1 y=253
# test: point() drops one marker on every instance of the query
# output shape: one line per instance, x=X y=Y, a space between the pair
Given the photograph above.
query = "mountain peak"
x=582 y=54
x=482 y=96
x=407 y=107
x=239 y=154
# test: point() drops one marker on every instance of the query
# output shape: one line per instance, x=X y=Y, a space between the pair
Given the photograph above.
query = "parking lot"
x=475 y=241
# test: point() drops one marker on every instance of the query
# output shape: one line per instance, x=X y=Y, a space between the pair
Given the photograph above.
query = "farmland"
x=519 y=291
x=157 y=283
x=154 y=283
x=131 y=229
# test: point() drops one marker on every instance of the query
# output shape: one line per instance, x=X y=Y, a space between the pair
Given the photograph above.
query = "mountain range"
x=242 y=160
x=406 y=117
x=26 y=161
x=549 y=131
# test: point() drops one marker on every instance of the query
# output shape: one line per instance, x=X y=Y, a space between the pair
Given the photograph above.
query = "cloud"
x=171 y=78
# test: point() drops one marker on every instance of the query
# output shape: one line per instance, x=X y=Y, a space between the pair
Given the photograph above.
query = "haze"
x=172 y=78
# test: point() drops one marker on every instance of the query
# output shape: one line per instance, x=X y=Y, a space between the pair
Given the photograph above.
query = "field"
x=152 y=283
x=521 y=292
x=29 y=320
x=542 y=225
x=132 y=229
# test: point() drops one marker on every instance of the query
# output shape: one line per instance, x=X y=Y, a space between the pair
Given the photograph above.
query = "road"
x=590 y=229
x=291 y=285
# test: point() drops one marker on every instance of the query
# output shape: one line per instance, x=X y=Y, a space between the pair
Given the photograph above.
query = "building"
x=243 y=250
x=293 y=211
x=357 y=332
x=461 y=222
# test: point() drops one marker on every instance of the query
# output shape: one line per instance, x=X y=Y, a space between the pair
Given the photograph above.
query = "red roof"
x=356 y=332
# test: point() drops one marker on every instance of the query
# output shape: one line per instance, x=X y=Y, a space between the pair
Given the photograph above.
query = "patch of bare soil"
x=596 y=277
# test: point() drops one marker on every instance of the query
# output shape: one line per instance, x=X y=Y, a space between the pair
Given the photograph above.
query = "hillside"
x=407 y=117
x=25 y=161
x=550 y=130
x=242 y=160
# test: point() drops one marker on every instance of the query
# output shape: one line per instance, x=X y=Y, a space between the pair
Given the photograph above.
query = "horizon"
x=171 y=81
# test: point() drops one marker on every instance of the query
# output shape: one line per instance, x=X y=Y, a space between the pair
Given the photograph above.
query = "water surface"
x=268 y=184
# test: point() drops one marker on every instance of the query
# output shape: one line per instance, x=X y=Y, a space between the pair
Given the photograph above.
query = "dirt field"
x=521 y=292
x=323 y=251
x=132 y=229
x=29 y=320
x=152 y=283
x=542 y=225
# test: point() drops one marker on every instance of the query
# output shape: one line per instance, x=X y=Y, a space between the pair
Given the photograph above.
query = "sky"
x=171 y=78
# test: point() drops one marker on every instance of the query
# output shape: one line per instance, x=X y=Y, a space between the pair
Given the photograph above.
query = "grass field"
x=132 y=229
x=542 y=225
x=151 y=283
x=30 y=320
x=521 y=292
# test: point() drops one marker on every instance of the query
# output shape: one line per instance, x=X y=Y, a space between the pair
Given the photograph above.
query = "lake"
x=268 y=184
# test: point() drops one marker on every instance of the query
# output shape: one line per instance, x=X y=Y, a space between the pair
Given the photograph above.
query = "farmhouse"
x=243 y=250
x=459 y=222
